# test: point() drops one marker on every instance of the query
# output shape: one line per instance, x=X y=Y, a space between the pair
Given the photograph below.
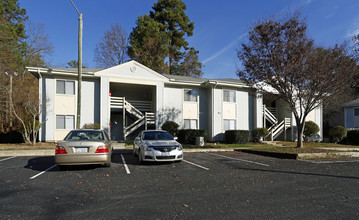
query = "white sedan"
x=157 y=145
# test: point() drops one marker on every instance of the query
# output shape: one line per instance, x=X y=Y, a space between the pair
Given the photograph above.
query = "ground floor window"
x=65 y=121
x=190 y=124
x=229 y=124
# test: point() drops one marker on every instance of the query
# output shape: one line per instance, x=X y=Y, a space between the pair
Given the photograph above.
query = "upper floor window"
x=190 y=95
x=229 y=96
x=65 y=87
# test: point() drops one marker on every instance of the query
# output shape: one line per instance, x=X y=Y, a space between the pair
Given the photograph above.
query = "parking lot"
x=206 y=185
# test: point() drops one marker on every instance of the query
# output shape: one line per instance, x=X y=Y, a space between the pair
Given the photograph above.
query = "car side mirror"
x=137 y=139
x=175 y=138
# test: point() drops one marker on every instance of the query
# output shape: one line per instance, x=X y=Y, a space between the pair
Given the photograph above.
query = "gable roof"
x=131 y=70
x=354 y=103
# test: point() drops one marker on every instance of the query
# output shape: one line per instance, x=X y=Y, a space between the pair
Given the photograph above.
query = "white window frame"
x=67 y=90
x=230 y=98
x=193 y=124
x=229 y=122
x=191 y=95
x=68 y=125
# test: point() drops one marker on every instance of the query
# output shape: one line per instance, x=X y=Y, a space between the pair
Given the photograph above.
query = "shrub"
x=337 y=133
x=352 y=137
x=171 y=127
x=259 y=134
x=237 y=136
x=91 y=126
x=310 y=129
x=188 y=136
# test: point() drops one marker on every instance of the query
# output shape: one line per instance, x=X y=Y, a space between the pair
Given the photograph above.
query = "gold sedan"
x=84 y=146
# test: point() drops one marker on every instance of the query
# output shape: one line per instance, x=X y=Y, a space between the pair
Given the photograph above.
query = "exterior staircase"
x=276 y=128
x=140 y=118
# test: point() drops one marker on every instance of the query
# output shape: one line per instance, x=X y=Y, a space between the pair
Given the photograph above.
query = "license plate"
x=165 y=154
x=81 y=150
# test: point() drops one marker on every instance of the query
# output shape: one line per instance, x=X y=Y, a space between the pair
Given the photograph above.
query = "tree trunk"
x=300 y=129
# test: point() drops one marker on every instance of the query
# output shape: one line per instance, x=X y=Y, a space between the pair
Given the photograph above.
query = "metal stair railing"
x=132 y=110
x=134 y=126
x=268 y=115
x=146 y=118
x=278 y=129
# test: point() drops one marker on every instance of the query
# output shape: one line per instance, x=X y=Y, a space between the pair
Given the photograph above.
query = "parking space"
x=213 y=184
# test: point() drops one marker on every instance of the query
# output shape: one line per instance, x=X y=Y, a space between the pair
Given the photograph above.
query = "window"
x=190 y=95
x=65 y=121
x=356 y=112
x=190 y=124
x=65 y=87
x=229 y=96
x=229 y=124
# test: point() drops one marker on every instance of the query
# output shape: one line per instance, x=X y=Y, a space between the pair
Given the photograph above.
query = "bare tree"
x=28 y=113
x=112 y=50
x=280 y=54
x=38 y=44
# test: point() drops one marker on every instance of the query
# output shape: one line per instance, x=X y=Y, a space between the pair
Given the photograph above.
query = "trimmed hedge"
x=352 y=137
x=310 y=129
x=259 y=134
x=337 y=134
x=188 y=136
x=171 y=127
x=236 y=136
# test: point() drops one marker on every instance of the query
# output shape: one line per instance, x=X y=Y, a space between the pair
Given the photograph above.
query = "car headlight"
x=179 y=147
x=146 y=147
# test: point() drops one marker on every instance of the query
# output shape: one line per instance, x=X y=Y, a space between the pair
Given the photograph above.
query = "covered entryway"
x=132 y=109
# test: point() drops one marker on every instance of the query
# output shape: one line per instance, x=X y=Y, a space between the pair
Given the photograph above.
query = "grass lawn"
x=23 y=146
x=288 y=147
x=316 y=145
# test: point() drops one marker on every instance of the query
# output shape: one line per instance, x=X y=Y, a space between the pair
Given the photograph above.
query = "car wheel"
x=63 y=167
x=140 y=157
x=108 y=164
x=134 y=152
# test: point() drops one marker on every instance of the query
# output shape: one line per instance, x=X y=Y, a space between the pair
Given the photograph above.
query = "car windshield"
x=85 y=135
x=157 y=136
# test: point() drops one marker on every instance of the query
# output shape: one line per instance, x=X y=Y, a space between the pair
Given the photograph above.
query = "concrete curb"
x=302 y=155
x=25 y=153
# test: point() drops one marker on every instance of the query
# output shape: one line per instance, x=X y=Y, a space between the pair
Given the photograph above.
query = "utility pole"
x=79 y=79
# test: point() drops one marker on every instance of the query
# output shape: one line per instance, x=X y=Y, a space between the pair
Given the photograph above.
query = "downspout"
x=213 y=115
x=40 y=97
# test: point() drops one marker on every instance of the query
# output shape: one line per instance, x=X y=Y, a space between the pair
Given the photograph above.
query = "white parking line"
x=33 y=177
x=124 y=163
x=6 y=159
x=233 y=158
x=205 y=168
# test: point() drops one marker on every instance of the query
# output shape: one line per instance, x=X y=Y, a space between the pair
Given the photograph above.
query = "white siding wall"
x=90 y=102
x=217 y=115
x=242 y=110
x=50 y=118
x=105 y=104
x=173 y=104
x=160 y=102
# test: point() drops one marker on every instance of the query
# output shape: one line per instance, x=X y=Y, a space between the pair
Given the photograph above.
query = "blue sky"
x=220 y=26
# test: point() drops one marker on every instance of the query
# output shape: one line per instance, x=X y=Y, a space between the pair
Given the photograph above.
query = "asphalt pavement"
x=206 y=185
